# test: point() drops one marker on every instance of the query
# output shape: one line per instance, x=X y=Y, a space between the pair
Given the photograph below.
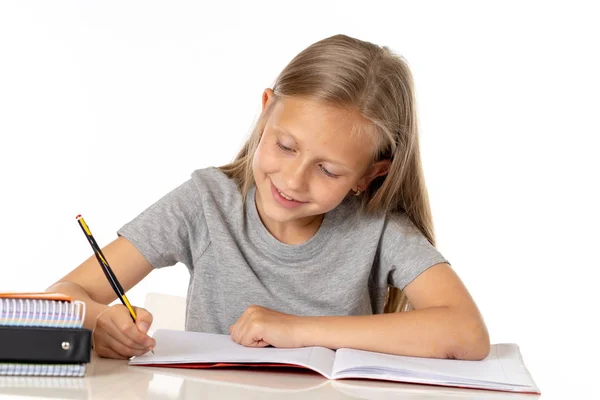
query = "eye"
x=326 y=172
x=284 y=148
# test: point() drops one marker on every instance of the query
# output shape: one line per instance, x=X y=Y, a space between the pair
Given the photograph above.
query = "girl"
x=296 y=242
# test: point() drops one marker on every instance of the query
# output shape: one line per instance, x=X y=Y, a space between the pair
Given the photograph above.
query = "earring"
x=358 y=191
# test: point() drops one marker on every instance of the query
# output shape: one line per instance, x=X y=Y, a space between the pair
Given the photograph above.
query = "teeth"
x=284 y=196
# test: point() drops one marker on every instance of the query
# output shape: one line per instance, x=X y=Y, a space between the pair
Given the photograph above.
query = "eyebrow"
x=283 y=130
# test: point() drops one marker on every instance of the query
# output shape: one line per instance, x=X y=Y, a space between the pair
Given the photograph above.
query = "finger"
x=104 y=350
x=106 y=323
x=239 y=330
x=127 y=332
x=251 y=337
x=250 y=341
x=119 y=334
x=124 y=350
x=234 y=332
x=143 y=320
x=106 y=346
x=259 y=343
x=107 y=352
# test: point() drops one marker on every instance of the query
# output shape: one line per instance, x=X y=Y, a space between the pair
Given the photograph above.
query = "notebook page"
x=511 y=359
x=490 y=370
x=186 y=347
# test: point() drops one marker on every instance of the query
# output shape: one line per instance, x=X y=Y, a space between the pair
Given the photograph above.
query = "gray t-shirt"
x=234 y=262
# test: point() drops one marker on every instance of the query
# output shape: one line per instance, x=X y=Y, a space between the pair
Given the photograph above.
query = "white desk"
x=114 y=379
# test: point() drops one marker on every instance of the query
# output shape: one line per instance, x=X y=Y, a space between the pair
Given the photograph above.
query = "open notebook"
x=502 y=370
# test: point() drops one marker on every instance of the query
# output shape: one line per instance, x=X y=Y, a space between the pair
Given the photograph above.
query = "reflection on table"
x=115 y=379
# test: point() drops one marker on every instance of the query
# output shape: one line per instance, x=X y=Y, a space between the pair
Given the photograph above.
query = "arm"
x=445 y=324
x=88 y=283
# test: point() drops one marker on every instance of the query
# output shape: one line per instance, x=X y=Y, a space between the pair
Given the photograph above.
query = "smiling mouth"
x=286 y=196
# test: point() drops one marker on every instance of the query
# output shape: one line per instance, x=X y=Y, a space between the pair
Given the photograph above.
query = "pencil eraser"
x=78 y=216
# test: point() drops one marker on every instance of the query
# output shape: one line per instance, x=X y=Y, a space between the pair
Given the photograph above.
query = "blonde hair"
x=356 y=75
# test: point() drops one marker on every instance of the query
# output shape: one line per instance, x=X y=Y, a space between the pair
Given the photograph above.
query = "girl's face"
x=307 y=161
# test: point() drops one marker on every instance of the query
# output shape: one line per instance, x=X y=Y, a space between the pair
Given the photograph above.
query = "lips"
x=283 y=199
x=284 y=195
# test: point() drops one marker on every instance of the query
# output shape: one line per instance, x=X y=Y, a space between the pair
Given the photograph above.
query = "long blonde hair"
x=353 y=74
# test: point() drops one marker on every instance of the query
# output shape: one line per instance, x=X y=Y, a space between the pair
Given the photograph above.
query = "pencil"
x=108 y=272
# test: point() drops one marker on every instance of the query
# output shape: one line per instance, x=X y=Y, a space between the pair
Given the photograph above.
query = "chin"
x=278 y=215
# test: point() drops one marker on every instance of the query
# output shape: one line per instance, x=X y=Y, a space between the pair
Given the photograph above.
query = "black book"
x=29 y=344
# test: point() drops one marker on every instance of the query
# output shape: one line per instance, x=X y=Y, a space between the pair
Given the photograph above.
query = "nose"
x=295 y=176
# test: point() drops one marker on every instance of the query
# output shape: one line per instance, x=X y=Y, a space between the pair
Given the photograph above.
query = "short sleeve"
x=405 y=252
x=171 y=229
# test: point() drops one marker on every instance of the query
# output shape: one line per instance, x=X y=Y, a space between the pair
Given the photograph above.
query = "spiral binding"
x=42 y=312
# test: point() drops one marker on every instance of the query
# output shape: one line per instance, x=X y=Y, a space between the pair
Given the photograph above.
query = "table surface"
x=115 y=379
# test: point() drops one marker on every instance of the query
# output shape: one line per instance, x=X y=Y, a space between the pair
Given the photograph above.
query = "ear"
x=267 y=97
x=379 y=168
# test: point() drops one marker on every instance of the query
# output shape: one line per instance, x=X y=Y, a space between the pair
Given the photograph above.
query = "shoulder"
x=213 y=185
x=401 y=224
x=355 y=225
x=213 y=179
x=349 y=211
x=388 y=227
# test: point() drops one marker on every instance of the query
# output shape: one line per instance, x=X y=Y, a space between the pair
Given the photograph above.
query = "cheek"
x=264 y=161
x=331 y=194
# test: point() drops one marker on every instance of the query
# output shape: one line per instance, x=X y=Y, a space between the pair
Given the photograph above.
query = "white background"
x=106 y=106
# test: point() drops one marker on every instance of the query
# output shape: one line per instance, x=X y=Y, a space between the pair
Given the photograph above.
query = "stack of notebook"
x=42 y=334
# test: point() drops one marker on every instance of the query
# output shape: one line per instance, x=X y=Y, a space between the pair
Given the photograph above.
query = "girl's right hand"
x=115 y=335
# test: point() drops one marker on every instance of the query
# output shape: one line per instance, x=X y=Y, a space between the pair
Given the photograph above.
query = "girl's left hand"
x=259 y=327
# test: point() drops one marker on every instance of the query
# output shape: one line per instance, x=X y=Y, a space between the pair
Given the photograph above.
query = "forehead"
x=340 y=131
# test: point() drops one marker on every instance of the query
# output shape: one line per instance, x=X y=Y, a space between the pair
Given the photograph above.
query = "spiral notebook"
x=45 y=316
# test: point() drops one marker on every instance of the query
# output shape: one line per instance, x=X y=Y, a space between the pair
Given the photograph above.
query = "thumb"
x=143 y=320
